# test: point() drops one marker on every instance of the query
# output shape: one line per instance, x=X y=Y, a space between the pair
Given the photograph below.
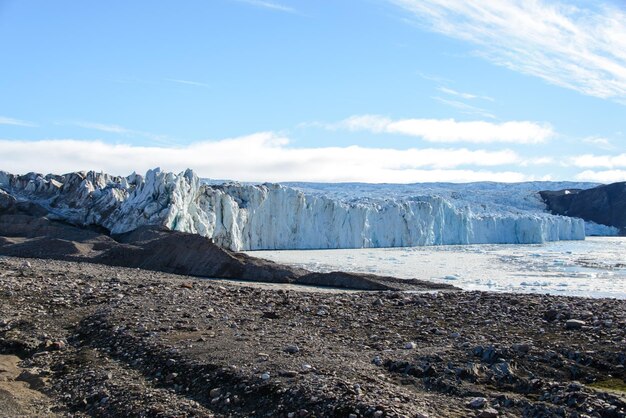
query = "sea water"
x=595 y=267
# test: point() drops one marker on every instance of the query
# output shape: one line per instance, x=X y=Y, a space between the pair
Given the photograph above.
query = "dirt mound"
x=47 y=248
x=182 y=253
x=158 y=249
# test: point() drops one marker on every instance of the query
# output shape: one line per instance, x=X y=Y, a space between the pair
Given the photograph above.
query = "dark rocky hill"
x=604 y=204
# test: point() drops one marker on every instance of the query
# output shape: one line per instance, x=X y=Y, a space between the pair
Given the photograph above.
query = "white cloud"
x=120 y=130
x=462 y=95
x=269 y=5
x=583 y=49
x=466 y=108
x=602 y=161
x=600 y=142
x=188 y=82
x=538 y=161
x=115 y=129
x=606 y=176
x=15 y=122
x=265 y=157
x=449 y=130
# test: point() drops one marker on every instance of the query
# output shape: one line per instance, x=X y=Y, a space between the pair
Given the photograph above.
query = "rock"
x=410 y=345
x=574 y=324
x=477 y=403
x=292 y=349
x=377 y=361
x=34 y=380
x=502 y=370
x=288 y=373
x=265 y=376
x=521 y=348
x=488 y=413
x=605 y=204
x=215 y=392
x=58 y=345
x=550 y=315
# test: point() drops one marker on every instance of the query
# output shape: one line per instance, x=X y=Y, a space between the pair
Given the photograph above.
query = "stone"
x=57 y=345
x=488 y=413
x=477 y=403
x=215 y=392
x=292 y=349
x=574 y=324
x=288 y=373
x=410 y=345
x=550 y=315
x=521 y=348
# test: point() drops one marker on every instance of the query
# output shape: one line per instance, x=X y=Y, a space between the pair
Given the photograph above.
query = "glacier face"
x=270 y=216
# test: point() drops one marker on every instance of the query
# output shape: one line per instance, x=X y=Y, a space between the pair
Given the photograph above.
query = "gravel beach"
x=83 y=339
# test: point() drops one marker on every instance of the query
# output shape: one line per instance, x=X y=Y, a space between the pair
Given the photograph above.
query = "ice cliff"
x=270 y=216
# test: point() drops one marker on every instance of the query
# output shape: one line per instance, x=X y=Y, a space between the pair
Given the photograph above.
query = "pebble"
x=410 y=345
x=292 y=349
x=574 y=324
x=477 y=403
x=488 y=413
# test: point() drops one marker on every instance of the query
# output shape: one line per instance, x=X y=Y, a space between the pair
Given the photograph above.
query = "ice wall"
x=271 y=216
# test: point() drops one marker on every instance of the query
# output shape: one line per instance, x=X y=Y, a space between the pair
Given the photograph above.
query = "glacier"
x=300 y=216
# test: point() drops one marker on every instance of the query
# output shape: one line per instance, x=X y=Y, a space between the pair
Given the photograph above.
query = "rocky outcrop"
x=605 y=205
x=271 y=216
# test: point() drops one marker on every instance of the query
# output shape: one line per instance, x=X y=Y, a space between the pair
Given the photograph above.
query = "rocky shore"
x=83 y=339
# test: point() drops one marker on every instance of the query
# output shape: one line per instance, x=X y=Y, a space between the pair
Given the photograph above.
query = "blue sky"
x=292 y=90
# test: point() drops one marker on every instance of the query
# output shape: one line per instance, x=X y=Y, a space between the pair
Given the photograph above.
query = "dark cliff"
x=604 y=204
